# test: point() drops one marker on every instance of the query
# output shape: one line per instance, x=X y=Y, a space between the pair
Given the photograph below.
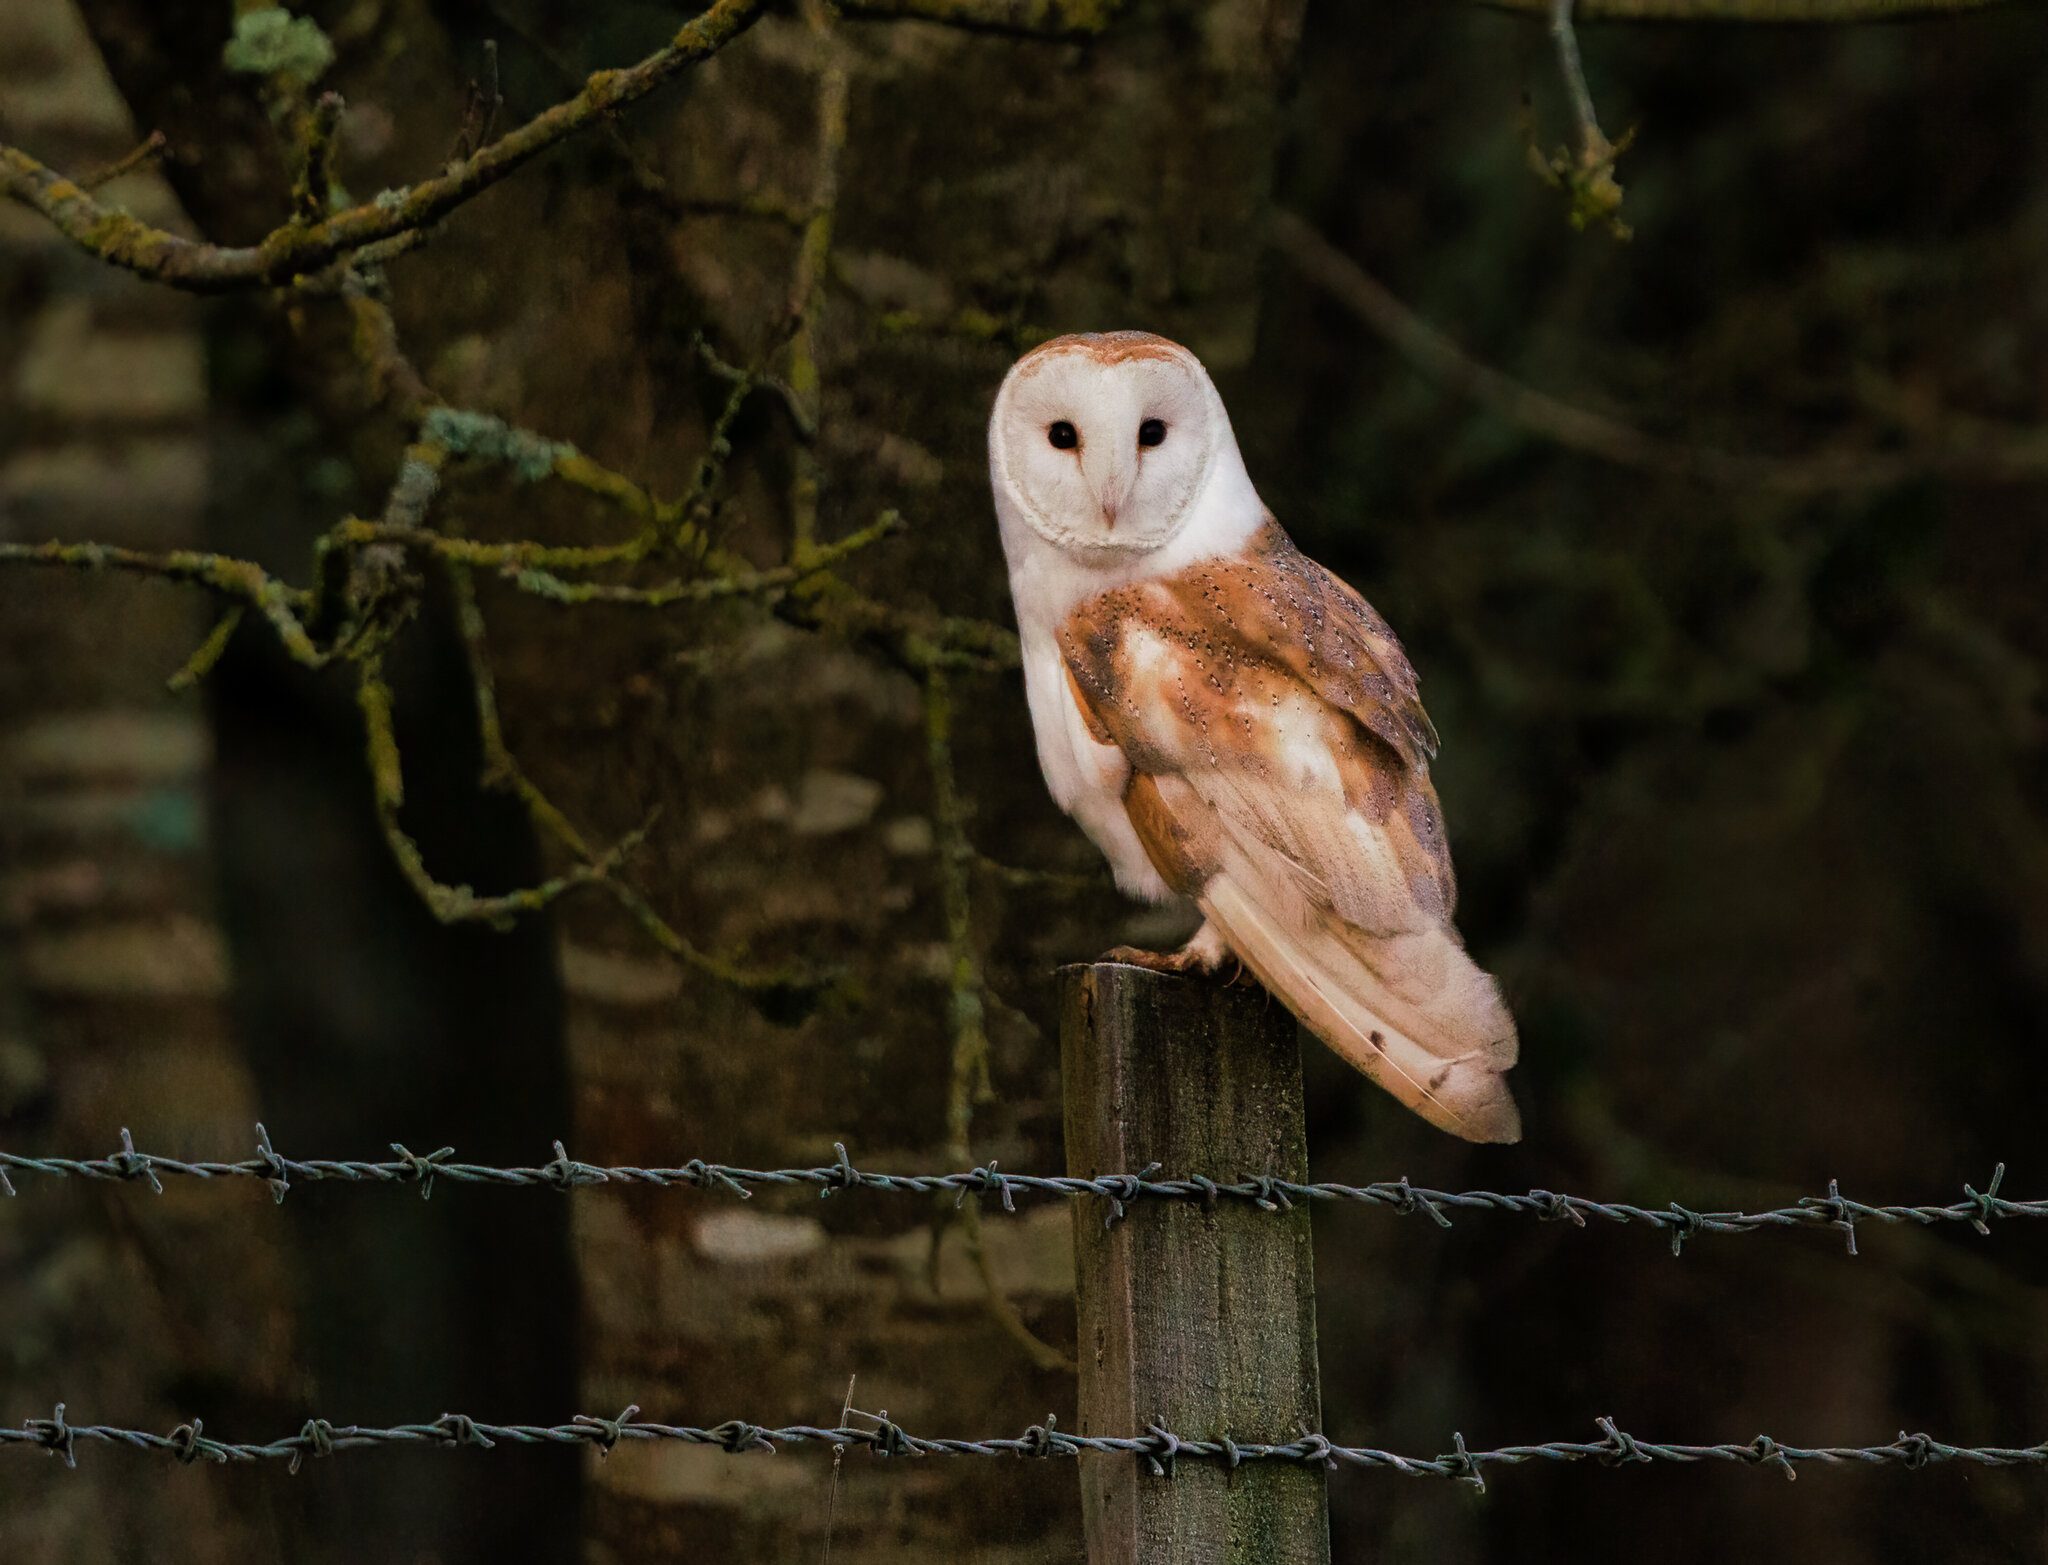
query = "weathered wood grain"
x=1203 y=1320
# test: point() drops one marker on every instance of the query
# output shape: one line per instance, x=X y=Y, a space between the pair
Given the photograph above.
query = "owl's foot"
x=1152 y=961
x=1205 y=953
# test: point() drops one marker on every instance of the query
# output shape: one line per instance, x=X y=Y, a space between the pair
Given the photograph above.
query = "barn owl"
x=1234 y=726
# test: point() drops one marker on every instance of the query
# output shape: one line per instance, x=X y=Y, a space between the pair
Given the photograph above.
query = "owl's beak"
x=1112 y=494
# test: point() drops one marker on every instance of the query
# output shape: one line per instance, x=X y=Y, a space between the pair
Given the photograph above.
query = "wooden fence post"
x=1205 y=1319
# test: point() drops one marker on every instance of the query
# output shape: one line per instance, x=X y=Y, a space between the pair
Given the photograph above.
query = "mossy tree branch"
x=704 y=589
x=363 y=584
x=308 y=243
x=449 y=903
x=968 y=1079
x=807 y=285
x=1586 y=173
x=224 y=576
x=297 y=248
x=363 y=592
x=502 y=772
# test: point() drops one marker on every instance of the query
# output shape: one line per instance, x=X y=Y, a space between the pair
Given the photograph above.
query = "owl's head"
x=1104 y=443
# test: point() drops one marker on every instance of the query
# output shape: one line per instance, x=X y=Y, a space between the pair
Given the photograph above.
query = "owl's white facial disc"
x=1104 y=442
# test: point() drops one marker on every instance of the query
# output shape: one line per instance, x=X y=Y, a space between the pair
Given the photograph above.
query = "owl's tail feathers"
x=1412 y=1011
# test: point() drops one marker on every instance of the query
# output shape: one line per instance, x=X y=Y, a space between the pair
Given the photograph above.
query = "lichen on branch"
x=296 y=249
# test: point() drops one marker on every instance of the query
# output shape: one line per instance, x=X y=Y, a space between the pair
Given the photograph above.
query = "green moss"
x=380 y=744
x=484 y=438
x=273 y=42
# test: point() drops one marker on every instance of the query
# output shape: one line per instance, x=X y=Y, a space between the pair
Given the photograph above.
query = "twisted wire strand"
x=1158 y=1448
x=1116 y=1191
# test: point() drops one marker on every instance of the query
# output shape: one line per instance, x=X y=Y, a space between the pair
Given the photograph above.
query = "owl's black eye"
x=1063 y=435
x=1151 y=432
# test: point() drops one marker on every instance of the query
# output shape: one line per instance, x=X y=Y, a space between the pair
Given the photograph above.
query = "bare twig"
x=2003 y=449
x=745 y=382
x=1566 y=43
x=480 y=111
x=1439 y=358
x=312 y=190
x=145 y=155
x=838 y=1452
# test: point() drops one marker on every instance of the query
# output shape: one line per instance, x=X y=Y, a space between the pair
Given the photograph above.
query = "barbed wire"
x=1158 y=1448
x=1117 y=1191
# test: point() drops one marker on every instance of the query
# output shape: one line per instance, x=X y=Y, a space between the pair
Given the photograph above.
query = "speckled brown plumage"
x=1279 y=760
x=1245 y=635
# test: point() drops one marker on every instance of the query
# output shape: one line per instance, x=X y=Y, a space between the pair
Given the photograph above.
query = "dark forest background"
x=1739 y=671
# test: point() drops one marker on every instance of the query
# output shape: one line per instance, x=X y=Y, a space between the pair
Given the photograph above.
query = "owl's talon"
x=1181 y=961
x=1205 y=953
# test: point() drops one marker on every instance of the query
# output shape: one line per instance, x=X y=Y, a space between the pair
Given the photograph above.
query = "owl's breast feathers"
x=1279 y=760
x=1265 y=670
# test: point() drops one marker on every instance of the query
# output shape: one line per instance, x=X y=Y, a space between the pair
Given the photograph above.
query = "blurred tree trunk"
x=130 y=1308
x=364 y=1021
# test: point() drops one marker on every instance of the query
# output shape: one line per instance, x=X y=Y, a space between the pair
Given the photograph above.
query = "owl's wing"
x=1279 y=776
